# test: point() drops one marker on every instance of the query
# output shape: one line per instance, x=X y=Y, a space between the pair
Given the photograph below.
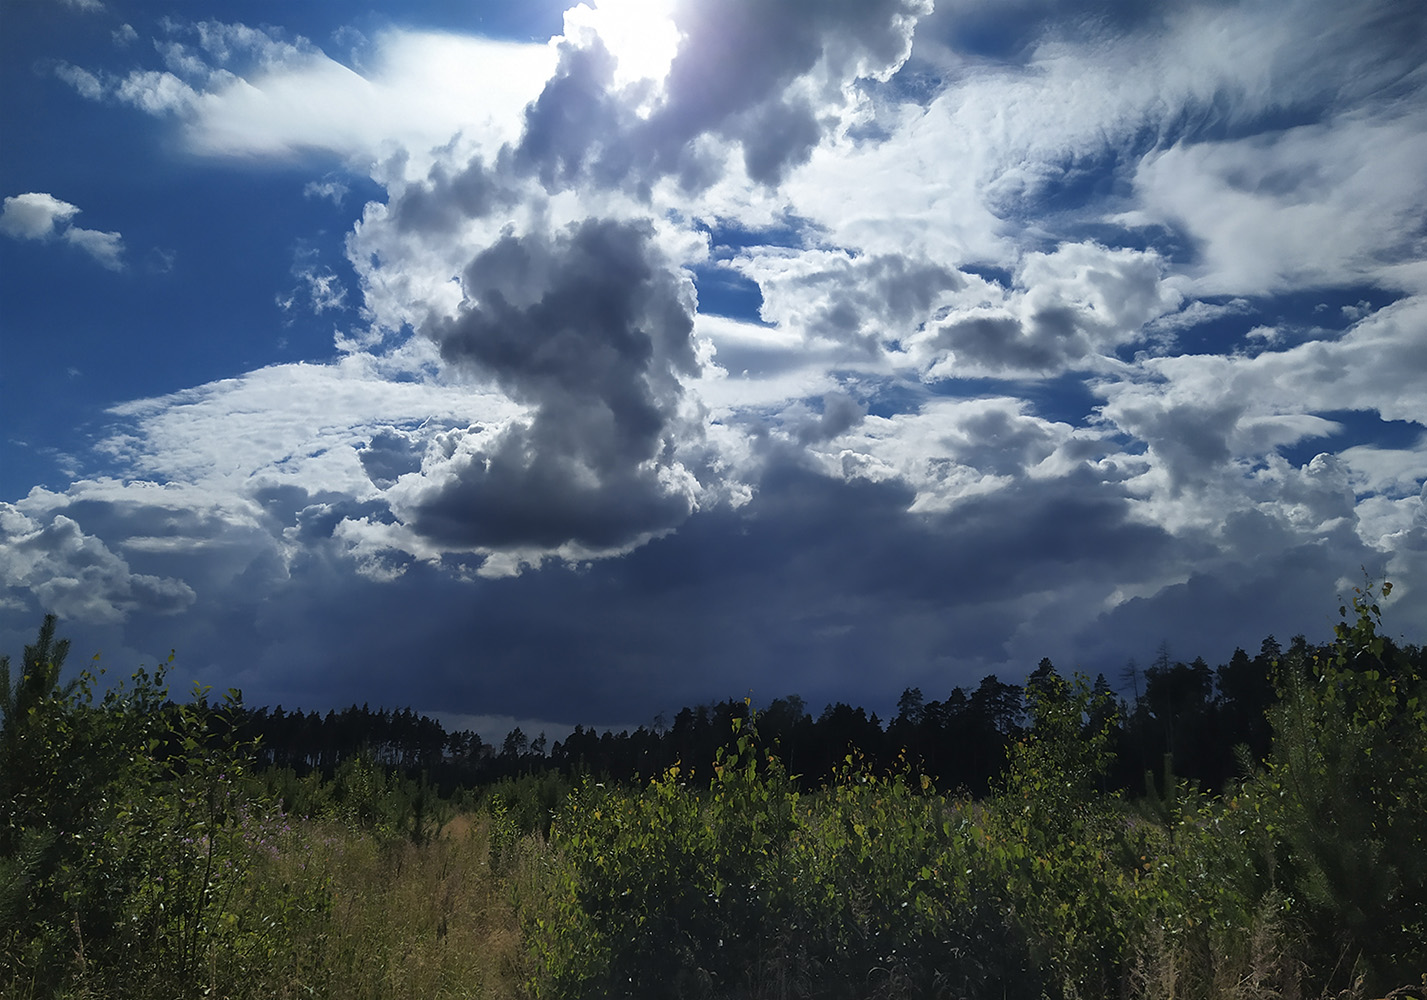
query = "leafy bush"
x=654 y=895
x=122 y=844
x=1051 y=835
x=748 y=888
x=1343 y=797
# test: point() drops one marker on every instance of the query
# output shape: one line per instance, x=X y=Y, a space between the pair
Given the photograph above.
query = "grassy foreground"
x=141 y=858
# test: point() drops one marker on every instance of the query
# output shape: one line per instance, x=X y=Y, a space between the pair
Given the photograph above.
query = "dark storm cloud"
x=1287 y=588
x=779 y=135
x=575 y=119
x=591 y=328
x=1001 y=342
x=1004 y=443
x=736 y=54
x=821 y=587
x=527 y=494
x=1045 y=343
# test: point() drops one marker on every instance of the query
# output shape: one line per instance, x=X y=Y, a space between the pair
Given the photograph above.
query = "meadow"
x=144 y=854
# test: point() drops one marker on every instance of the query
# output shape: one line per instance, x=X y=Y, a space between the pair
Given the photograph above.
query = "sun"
x=640 y=34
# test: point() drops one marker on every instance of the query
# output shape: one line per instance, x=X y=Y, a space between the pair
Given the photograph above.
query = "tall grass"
x=426 y=921
x=386 y=918
x=320 y=908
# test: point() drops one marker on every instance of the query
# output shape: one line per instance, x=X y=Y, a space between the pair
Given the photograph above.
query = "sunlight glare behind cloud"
x=640 y=34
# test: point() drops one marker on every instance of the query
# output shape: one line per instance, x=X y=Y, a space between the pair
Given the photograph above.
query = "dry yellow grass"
x=401 y=922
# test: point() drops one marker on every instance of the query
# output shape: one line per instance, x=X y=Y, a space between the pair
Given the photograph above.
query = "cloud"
x=728 y=83
x=319 y=287
x=329 y=187
x=591 y=330
x=35 y=216
x=300 y=423
x=1030 y=373
x=866 y=301
x=86 y=83
x=106 y=248
x=155 y=92
x=40 y=216
x=1073 y=305
x=75 y=575
x=761 y=74
x=241 y=91
x=1262 y=207
x=1204 y=415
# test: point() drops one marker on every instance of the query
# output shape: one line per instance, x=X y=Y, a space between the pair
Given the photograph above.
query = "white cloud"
x=242 y=91
x=300 y=424
x=76 y=575
x=106 y=248
x=640 y=34
x=966 y=177
x=1388 y=472
x=86 y=83
x=1213 y=426
x=329 y=188
x=318 y=286
x=156 y=92
x=39 y=216
x=951 y=450
x=1320 y=204
x=35 y=216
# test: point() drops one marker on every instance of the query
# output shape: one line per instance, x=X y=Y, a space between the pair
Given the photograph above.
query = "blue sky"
x=517 y=363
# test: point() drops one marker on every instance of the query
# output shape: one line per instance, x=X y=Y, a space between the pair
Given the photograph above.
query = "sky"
x=524 y=364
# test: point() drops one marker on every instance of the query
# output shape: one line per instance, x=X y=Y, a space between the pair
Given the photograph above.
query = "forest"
x=1191 y=713
x=1252 y=830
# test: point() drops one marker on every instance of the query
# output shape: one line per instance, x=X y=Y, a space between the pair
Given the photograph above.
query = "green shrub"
x=1343 y=797
x=122 y=848
x=1052 y=836
x=746 y=887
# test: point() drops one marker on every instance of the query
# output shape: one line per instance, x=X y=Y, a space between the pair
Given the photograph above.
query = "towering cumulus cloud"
x=576 y=309
x=591 y=329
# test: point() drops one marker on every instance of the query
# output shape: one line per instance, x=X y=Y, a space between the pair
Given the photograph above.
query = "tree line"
x=1188 y=721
